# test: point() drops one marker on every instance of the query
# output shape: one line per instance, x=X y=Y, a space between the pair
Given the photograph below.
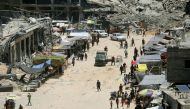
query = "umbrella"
x=146 y=92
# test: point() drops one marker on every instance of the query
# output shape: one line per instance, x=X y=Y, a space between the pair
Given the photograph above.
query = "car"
x=118 y=37
x=101 y=58
x=102 y=33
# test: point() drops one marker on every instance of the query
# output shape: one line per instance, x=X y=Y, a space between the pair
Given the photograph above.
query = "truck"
x=101 y=58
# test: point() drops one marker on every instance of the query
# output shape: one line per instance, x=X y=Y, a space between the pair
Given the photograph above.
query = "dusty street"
x=76 y=89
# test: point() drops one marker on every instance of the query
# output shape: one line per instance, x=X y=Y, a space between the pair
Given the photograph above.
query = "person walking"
x=143 y=42
x=121 y=69
x=87 y=46
x=128 y=101
x=29 y=99
x=135 y=52
x=128 y=32
x=106 y=48
x=126 y=53
x=111 y=104
x=121 y=44
x=98 y=84
x=97 y=41
x=86 y=56
x=132 y=42
x=73 y=61
x=117 y=102
x=141 y=52
x=121 y=89
x=122 y=100
x=92 y=43
x=126 y=45
x=113 y=60
x=82 y=56
x=124 y=67
x=144 y=33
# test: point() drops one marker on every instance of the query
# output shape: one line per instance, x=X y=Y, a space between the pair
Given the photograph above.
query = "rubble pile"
x=159 y=13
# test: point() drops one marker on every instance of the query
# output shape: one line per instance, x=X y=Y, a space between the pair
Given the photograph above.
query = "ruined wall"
x=178 y=67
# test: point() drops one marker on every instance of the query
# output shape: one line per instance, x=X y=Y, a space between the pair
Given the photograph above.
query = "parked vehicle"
x=102 y=33
x=118 y=37
x=101 y=58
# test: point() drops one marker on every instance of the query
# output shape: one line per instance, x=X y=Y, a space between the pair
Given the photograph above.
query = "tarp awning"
x=150 y=58
x=153 y=80
x=183 y=88
x=30 y=70
x=142 y=67
x=38 y=66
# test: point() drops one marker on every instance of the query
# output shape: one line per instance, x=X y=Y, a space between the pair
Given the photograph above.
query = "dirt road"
x=76 y=89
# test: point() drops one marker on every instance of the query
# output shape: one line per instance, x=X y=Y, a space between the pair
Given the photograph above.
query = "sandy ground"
x=76 y=89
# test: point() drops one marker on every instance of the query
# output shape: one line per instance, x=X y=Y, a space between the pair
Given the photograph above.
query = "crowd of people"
x=128 y=92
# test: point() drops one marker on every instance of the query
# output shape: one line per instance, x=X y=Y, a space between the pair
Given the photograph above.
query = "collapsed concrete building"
x=22 y=37
x=56 y=9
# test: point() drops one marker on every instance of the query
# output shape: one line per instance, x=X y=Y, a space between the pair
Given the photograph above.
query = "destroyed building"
x=179 y=60
x=56 y=9
x=22 y=37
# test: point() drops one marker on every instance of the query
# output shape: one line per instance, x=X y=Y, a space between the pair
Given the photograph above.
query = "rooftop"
x=182 y=98
x=19 y=26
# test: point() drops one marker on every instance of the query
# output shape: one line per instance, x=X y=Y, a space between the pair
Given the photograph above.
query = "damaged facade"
x=56 y=9
x=22 y=37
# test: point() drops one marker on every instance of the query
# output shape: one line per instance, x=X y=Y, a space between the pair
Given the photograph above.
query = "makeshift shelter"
x=153 y=80
x=150 y=60
x=58 y=62
x=55 y=60
x=79 y=35
x=29 y=70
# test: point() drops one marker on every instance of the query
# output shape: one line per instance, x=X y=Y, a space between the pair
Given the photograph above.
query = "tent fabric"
x=183 y=88
x=153 y=41
x=142 y=67
x=38 y=66
x=153 y=80
x=31 y=70
x=48 y=62
x=81 y=35
x=150 y=58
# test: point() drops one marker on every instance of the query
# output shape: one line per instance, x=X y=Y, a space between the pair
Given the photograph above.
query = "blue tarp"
x=30 y=70
x=153 y=80
x=38 y=66
x=48 y=62
x=183 y=88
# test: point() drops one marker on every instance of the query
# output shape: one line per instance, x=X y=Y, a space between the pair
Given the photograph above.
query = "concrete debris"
x=159 y=13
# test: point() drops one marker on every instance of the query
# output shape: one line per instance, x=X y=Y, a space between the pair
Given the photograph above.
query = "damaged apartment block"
x=56 y=9
x=22 y=37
